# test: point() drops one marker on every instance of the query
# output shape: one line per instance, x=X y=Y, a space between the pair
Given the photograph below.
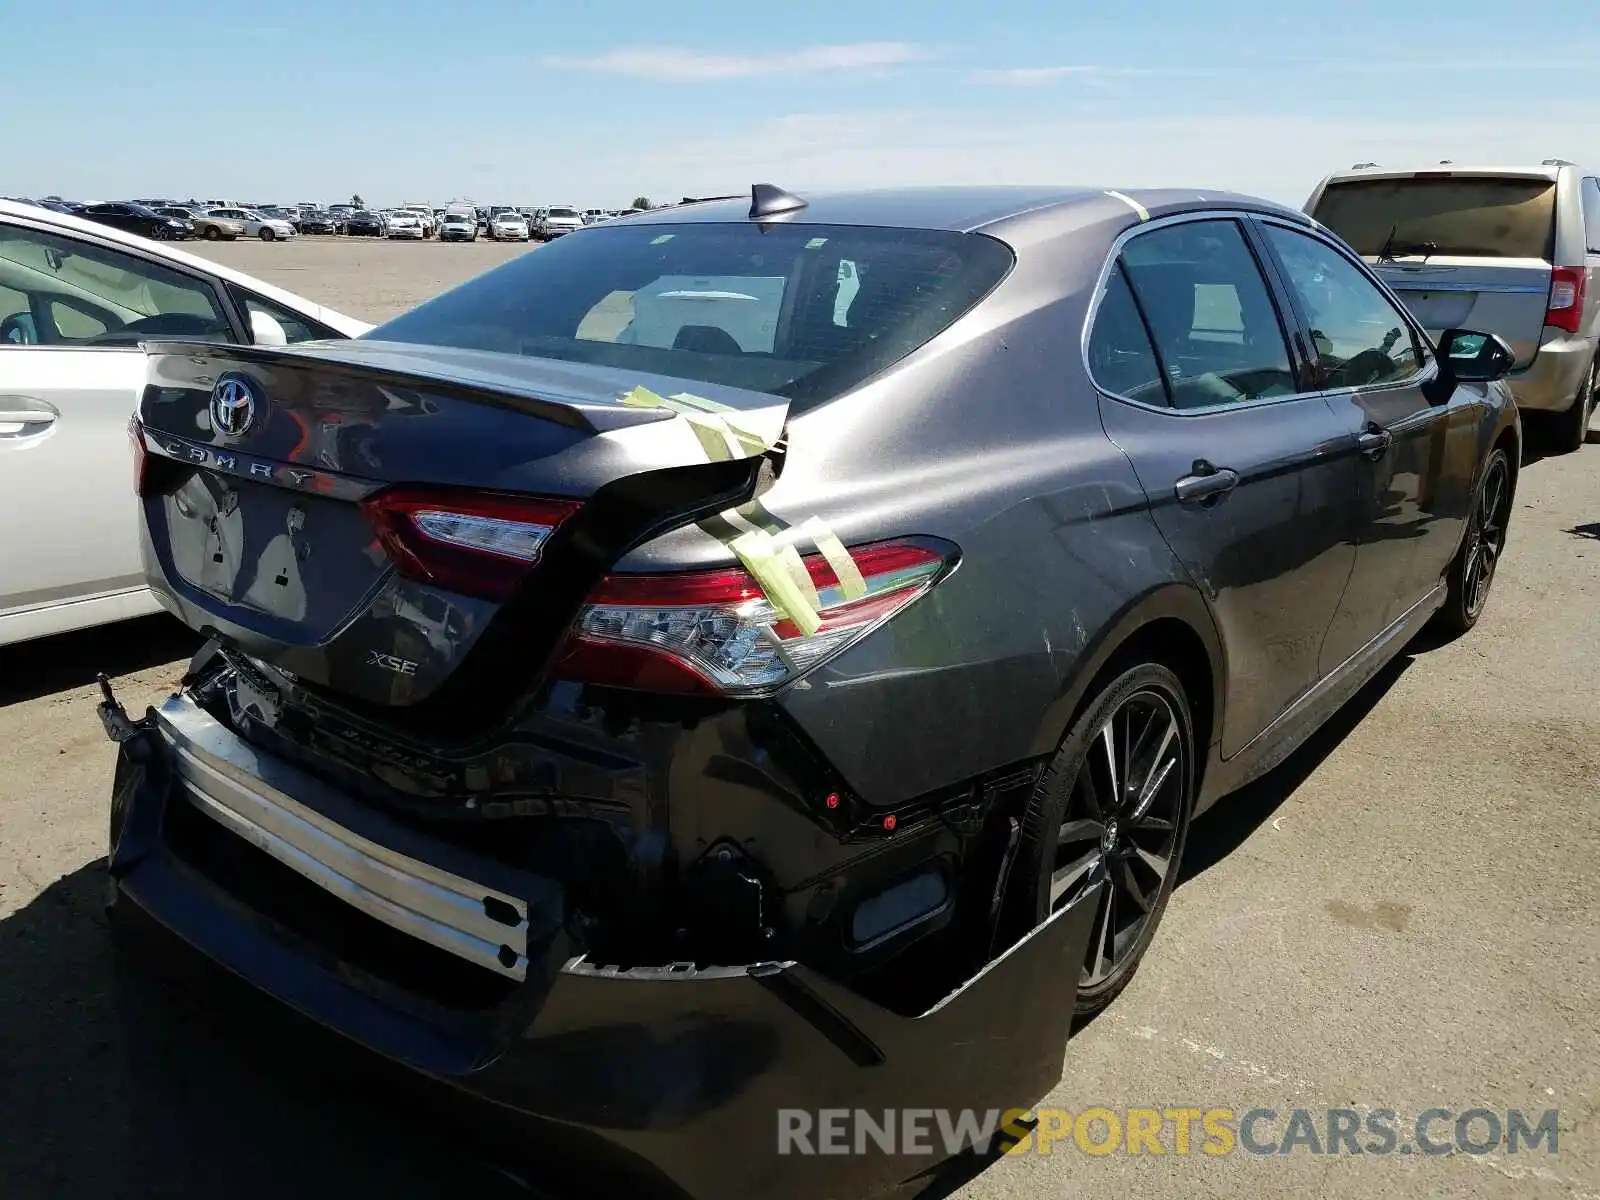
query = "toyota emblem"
x=233 y=405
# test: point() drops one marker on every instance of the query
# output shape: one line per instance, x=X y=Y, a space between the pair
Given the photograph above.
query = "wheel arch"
x=1171 y=625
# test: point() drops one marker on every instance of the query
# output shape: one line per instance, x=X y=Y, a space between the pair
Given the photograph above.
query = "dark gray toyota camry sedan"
x=767 y=654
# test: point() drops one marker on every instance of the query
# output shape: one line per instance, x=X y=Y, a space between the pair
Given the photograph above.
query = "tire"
x=1471 y=572
x=212 y=233
x=1570 y=428
x=1147 y=713
x=266 y=235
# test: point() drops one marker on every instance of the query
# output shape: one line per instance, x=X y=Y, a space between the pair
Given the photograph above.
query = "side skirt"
x=1291 y=727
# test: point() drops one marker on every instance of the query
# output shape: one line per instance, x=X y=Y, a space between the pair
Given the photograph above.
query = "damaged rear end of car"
x=457 y=778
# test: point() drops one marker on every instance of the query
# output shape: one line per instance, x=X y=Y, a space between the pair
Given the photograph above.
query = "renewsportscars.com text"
x=1176 y=1130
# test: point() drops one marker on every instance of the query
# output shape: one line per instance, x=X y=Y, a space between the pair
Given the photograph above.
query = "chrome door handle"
x=26 y=416
x=1206 y=483
x=1374 y=442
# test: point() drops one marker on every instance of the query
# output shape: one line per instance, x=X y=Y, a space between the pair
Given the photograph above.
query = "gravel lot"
x=1404 y=916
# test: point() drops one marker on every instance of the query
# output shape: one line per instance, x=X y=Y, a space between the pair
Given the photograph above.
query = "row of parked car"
x=227 y=220
x=505 y=223
x=213 y=220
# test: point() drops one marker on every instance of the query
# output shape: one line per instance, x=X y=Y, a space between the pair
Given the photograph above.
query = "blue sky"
x=595 y=103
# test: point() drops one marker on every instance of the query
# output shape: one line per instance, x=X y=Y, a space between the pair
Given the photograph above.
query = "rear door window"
x=1465 y=216
x=1121 y=359
x=1216 y=328
x=295 y=326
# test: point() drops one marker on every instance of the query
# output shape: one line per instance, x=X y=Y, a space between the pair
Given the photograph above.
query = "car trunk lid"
x=277 y=484
x=1494 y=295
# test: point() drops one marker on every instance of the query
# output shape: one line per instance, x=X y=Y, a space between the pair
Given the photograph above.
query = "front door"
x=1250 y=479
x=1417 y=458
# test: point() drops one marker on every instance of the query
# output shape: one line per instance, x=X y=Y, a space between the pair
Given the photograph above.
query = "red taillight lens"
x=1566 y=299
x=475 y=543
x=716 y=632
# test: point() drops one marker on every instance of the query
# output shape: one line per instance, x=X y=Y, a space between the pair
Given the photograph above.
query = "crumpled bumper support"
x=674 y=1078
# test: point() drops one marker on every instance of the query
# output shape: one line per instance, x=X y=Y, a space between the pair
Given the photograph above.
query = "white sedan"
x=406 y=224
x=509 y=227
x=268 y=229
x=76 y=300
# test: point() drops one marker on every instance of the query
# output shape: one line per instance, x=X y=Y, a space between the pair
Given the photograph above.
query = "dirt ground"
x=1405 y=916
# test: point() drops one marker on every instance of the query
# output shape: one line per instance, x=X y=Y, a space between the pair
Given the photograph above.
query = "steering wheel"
x=1370 y=366
x=160 y=325
x=18 y=330
x=178 y=323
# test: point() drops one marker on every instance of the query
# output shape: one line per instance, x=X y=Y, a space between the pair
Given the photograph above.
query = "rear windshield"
x=1482 y=217
x=803 y=311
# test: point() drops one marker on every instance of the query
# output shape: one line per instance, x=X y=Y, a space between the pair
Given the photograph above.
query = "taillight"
x=475 y=543
x=716 y=632
x=1566 y=298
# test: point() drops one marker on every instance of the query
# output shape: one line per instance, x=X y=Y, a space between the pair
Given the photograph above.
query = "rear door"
x=1417 y=458
x=72 y=312
x=1462 y=250
x=1250 y=476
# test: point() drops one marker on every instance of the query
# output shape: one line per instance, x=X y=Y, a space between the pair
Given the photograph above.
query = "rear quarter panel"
x=989 y=437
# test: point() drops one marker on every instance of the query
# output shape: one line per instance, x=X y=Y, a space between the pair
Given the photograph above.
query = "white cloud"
x=1035 y=76
x=679 y=65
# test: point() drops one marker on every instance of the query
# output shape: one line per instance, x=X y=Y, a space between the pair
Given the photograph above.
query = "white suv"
x=1507 y=250
x=558 y=220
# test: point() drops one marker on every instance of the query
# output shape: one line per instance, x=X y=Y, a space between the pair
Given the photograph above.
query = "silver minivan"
x=1507 y=250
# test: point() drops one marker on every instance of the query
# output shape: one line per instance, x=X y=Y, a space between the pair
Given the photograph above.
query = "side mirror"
x=1472 y=357
x=265 y=330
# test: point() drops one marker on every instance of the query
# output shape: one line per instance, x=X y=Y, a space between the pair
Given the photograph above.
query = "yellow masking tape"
x=706 y=416
x=1144 y=213
x=760 y=557
x=774 y=562
x=851 y=583
x=795 y=565
x=701 y=402
x=714 y=435
x=642 y=397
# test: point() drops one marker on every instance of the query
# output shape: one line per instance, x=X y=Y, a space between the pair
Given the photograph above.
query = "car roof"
x=1551 y=170
x=993 y=209
x=68 y=223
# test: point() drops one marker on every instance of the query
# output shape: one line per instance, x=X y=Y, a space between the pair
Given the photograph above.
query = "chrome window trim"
x=1426 y=372
x=1106 y=267
x=1427 y=369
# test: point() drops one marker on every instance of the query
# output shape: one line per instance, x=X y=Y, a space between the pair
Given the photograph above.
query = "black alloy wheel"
x=1482 y=543
x=1111 y=816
